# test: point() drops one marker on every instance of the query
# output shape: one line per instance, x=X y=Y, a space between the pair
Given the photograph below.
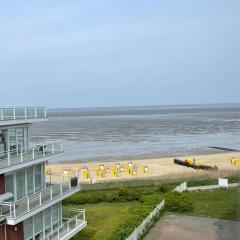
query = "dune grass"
x=219 y=203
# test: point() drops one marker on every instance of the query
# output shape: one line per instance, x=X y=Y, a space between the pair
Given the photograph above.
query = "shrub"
x=128 y=195
x=151 y=199
x=164 y=188
x=178 y=202
x=136 y=216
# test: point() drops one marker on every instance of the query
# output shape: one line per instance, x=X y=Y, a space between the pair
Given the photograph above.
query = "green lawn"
x=220 y=203
x=103 y=219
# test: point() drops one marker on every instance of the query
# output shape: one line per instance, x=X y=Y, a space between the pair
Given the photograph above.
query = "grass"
x=222 y=203
x=103 y=219
x=208 y=179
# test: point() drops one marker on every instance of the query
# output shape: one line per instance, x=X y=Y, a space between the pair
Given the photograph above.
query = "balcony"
x=70 y=225
x=14 y=113
x=14 y=159
x=18 y=211
x=19 y=115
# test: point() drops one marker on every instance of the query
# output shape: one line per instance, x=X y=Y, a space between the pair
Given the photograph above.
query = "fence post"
x=14 y=210
x=1 y=112
x=53 y=149
x=14 y=113
x=9 y=158
x=21 y=153
x=61 y=189
x=28 y=207
x=40 y=198
x=51 y=195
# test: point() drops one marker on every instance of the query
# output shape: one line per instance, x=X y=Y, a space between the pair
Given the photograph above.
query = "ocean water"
x=140 y=132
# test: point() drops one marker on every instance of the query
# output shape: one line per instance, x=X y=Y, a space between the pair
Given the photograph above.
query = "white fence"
x=139 y=231
x=181 y=188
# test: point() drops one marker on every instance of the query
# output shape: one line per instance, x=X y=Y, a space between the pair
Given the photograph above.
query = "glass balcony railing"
x=75 y=222
x=13 y=113
x=15 y=209
x=22 y=155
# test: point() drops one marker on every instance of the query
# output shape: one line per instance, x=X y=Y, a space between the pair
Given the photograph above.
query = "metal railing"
x=17 y=156
x=55 y=178
x=16 y=209
x=69 y=224
x=13 y=113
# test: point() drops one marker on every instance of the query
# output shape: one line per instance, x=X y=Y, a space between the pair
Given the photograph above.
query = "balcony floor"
x=66 y=234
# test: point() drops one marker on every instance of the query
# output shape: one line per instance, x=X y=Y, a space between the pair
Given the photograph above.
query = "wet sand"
x=157 y=168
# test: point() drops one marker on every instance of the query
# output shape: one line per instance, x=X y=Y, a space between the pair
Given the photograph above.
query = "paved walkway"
x=209 y=187
x=182 y=227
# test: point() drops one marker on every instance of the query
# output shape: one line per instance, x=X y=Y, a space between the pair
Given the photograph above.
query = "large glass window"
x=47 y=220
x=2 y=143
x=12 y=139
x=38 y=225
x=55 y=217
x=9 y=183
x=20 y=137
x=28 y=229
x=38 y=177
x=30 y=186
x=20 y=183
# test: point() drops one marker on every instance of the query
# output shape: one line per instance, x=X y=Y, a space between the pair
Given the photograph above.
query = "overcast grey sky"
x=116 y=53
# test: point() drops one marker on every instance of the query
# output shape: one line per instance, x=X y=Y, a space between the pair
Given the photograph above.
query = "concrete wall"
x=15 y=232
x=2 y=231
x=2 y=184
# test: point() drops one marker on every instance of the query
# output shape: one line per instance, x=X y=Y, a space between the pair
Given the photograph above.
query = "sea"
x=114 y=133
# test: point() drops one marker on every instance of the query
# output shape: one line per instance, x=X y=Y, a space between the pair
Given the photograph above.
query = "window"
x=30 y=187
x=38 y=177
x=9 y=183
x=20 y=183
x=2 y=143
x=38 y=225
x=20 y=137
x=47 y=220
x=12 y=139
x=28 y=228
x=55 y=218
x=47 y=217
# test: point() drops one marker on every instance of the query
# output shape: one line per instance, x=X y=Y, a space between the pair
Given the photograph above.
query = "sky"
x=99 y=53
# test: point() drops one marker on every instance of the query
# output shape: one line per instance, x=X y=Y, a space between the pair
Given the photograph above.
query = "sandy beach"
x=157 y=168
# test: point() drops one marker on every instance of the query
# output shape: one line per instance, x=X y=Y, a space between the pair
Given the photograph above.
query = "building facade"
x=30 y=199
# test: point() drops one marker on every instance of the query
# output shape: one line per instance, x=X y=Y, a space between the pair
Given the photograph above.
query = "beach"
x=160 y=168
